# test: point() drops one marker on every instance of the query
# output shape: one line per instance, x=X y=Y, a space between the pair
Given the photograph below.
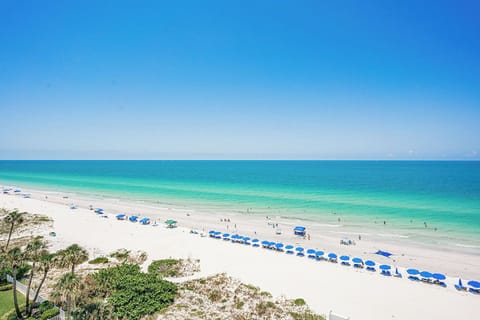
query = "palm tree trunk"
x=9 y=235
x=15 y=299
x=73 y=268
x=69 y=308
x=27 y=296
x=30 y=311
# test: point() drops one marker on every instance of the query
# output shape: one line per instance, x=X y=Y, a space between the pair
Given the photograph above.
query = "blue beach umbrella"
x=218 y=233
x=319 y=253
x=272 y=244
x=299 y=249
x=311 y=251
x=413 y=272
x=246 y=239
x=289 y=247
x=265 y=243
x=439 y=276
x=385 y=267
x=369 y=263
x=332 y=256
x=426 y=274
x=279 y=245
x=255 y=240
x=474 y=284
x=211 y=232
x=226 y=235
x=344 y=258
x=357 y=260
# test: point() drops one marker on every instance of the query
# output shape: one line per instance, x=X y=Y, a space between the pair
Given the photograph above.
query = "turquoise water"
x=405 y=194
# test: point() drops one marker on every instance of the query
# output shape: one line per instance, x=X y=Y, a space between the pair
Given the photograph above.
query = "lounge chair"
x=460 y=286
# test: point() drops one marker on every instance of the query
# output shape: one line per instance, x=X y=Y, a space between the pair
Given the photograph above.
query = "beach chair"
x=460 y=286
x=386 y=273
x=397 y=274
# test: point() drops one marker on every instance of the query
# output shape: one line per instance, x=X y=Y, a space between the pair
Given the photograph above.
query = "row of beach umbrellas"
x=345 y=260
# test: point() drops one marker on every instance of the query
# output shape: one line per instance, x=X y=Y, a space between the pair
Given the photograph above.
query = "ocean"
x=406 y=196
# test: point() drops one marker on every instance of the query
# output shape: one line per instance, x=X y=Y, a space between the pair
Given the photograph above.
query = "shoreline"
x=457 y=238
x=454 y=261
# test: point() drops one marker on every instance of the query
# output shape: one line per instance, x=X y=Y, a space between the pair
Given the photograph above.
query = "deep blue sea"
x=404 y=194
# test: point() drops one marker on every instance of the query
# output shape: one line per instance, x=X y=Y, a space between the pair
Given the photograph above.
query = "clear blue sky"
x=240 y=79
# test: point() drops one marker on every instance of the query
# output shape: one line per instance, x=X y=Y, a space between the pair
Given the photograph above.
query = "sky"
x=240 y=79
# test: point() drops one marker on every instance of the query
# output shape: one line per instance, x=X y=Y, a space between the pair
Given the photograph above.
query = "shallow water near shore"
x=434 y=202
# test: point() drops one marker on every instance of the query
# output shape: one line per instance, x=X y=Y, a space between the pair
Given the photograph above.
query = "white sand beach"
x=325 y=286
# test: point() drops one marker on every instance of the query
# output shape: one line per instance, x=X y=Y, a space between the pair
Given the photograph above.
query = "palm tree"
x=67 y=290
x=33 y=252
x=15 y=259
x=13 y=218
x=45 y=263
x=73 y=256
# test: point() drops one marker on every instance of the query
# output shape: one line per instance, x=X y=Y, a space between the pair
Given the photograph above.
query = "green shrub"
x=50 y=313
x=99 y=260
x=133 y=294
x=6 y=287
x=45 y=305
x=299 y=302
x=165 y=267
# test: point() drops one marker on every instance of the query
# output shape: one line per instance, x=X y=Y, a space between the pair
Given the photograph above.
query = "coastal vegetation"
x=116 y=287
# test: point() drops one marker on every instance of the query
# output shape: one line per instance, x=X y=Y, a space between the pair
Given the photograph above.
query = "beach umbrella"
x=413 y=272
x=226 y=235
x=171 y=222
x=425 y=274
x=255 y=240
x=344 y=258
x=265 y=243
x=289 y=247
x=271 y=244
x=299 y=249
x=311 y=251
x=369 y=263
x=246 y=238
x=438 y=276
x=211 y=232
x=474 y=284
x=385 y=267
x=332 y=256
x=279 y=245
x=319 y=253
x=357 y=260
